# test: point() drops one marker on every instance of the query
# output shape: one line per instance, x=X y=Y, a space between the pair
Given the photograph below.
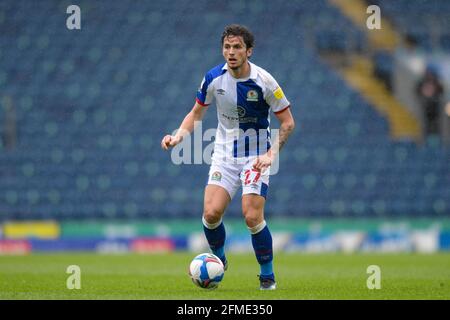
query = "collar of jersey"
x=253 y=73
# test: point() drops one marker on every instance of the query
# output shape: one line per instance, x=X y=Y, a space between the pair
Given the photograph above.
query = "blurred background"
x=82 y=113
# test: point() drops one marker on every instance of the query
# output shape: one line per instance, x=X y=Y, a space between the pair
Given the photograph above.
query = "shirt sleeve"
x=205 y=93
x=274 y=96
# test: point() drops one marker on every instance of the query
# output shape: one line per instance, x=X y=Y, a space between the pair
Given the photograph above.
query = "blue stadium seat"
x=93 y=105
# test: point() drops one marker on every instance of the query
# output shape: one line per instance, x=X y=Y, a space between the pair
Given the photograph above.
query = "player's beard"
x=236 y=66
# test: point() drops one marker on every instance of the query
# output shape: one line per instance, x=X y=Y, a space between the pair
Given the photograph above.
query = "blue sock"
x=220 y=252
x=216 y=240
x=262 y=244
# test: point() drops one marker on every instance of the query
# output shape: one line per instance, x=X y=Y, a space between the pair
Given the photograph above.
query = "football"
x=206 y=271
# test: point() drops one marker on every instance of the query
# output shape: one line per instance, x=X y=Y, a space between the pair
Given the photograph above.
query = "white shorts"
x=231 y=176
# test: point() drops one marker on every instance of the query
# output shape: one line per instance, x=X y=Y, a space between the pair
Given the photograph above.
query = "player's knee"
x=211 y=215
x=253 y=218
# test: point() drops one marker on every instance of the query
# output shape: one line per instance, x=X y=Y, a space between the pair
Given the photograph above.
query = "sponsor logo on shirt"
x=242 y=118
x=240 y=111
x=221 y=92
x=229 y=117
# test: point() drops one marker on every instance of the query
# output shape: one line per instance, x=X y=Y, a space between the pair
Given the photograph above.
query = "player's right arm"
x=187 y=126
x=204 y=98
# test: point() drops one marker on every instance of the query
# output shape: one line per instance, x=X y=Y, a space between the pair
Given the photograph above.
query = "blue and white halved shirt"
x=243 y=109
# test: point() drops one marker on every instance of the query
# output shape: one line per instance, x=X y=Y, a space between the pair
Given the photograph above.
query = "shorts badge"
x=216 y=176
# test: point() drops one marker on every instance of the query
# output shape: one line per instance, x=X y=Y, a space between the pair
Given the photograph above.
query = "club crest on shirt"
x=252 y=95
x=216 y=176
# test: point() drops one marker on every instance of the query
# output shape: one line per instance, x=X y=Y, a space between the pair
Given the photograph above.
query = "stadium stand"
x=93 y=104
x=426 y=22
x=423 y=25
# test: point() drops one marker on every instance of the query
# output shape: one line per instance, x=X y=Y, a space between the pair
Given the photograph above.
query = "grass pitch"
x=164 y=276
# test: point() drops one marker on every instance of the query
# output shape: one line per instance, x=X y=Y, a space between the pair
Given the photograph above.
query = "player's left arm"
x=287 y=125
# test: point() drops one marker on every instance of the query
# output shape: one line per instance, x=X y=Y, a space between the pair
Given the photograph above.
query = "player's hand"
x=170 y=141
x=261 y=163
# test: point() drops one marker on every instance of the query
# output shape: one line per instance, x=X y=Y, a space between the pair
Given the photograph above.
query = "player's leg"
x=254 y=189
x=253 y=210
x=223 y=182
x=215 y=202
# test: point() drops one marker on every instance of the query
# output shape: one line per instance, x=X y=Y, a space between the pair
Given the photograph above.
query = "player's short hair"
x=239 y=30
